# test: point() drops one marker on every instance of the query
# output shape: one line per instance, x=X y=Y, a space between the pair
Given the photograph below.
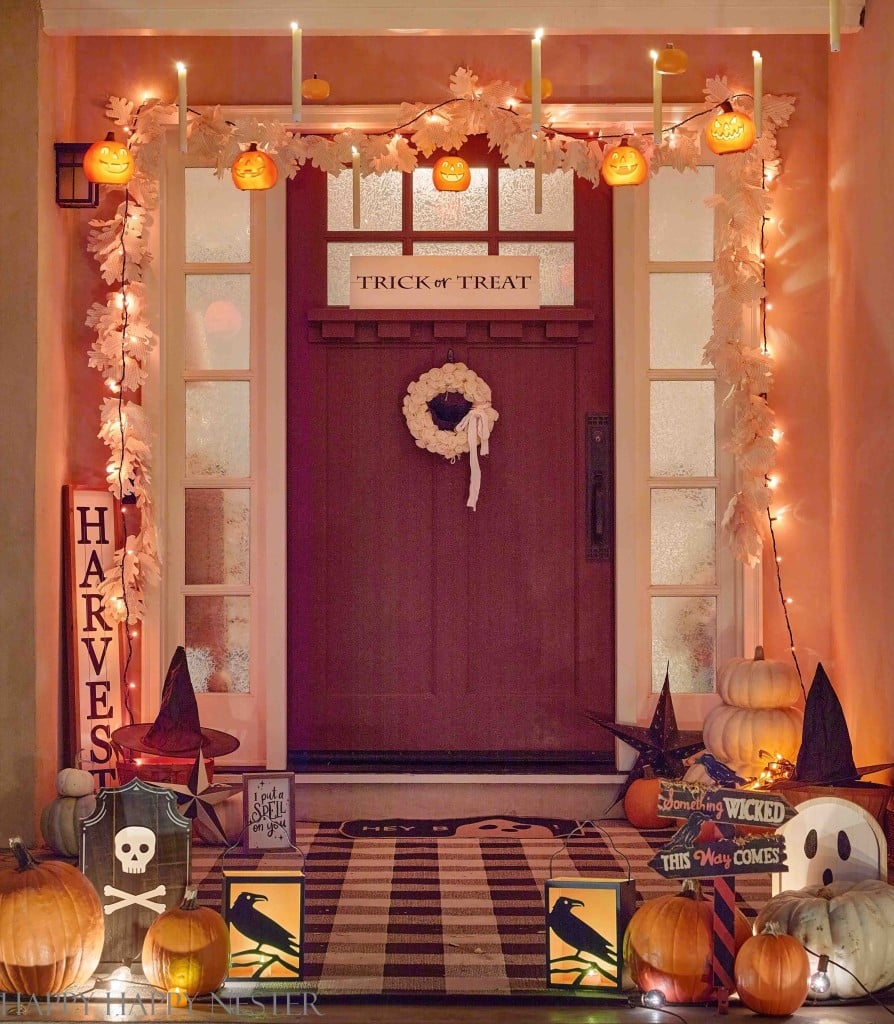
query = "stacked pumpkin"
x=60 y=821
x=757 y=714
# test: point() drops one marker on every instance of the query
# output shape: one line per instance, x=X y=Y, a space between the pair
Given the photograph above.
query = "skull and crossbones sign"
x=134 y=848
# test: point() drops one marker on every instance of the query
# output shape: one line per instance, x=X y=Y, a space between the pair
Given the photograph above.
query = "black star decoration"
x=197 y=798
x=661 y=747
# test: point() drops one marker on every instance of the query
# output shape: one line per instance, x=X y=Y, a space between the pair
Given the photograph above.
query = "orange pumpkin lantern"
x=452 y=174
x=315 y=88
x=546 y=89
x=671 y=61
x=730 y=131
x=254 y=170
x=108 y=162
x=624 y=165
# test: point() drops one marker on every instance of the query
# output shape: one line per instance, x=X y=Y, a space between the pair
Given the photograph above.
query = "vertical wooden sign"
x=135 y=850
x=96 y=695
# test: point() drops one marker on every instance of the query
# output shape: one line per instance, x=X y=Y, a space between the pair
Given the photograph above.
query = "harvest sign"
x=706 y=845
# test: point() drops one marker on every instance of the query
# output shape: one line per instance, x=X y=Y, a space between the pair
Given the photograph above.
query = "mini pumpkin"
x=74 y=782
x=108 y=162
x=315 y=89
x=186 y=950
x=624 y=165
x=771 y=972
x=546 y=89
x=61 y=945
x=669 y=944
x=254 y=170
x=641 y=803
x=671 y=61
x=451 y=174
x=758 y=682
x=730 y=131
x=60 y=822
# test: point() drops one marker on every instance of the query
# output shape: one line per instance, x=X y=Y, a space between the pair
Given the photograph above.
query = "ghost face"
x=831 y=840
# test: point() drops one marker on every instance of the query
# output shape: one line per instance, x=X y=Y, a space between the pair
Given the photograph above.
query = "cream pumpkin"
x=736 y=736
x=758 y=682
x=850 y=922
x=60 y=822
x=74 y=782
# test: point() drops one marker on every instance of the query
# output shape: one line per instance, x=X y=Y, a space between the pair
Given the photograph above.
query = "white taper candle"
x=536 y=82
x=656 y=99
x=355 y=172
x=181 y=105
x=296 y=71
x=758 y=91
x=835 y=25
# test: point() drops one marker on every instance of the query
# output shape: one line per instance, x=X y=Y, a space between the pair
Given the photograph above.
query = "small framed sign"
x=269 y=811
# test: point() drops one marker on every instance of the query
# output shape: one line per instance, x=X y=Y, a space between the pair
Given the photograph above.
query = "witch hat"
x=826 y=757
x=176 y=731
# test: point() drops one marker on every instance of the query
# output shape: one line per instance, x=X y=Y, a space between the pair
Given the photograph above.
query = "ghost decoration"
x=831 y=840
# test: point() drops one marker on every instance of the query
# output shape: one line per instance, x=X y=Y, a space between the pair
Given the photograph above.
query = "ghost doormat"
x=464 y=828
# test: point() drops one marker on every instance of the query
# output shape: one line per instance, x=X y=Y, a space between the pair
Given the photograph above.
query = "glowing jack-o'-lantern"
x=108 y=162
x=624 y=165
x=730 y=131
x=315 y=88
x=451 y=174
x=254 y=170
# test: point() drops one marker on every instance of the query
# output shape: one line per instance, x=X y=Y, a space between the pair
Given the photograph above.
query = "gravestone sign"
x=135 y=849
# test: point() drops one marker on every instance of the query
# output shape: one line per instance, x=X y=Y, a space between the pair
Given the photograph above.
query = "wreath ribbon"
x=477 y=425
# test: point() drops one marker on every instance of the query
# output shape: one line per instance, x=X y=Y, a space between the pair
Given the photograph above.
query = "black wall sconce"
x=73 y=190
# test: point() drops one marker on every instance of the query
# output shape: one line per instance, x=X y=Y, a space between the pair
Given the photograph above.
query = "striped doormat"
x=453 y=915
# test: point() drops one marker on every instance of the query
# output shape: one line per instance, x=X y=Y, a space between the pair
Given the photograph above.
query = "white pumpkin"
x=736 y=736
x=759 y=683
x=60 y=822
x=74 y=782
x=850 y=922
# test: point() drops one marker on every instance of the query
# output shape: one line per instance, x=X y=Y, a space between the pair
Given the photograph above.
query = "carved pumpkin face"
x=108 y=162
x=254 y=170
x=730 y=132
x=624 y=165
x=452 y=174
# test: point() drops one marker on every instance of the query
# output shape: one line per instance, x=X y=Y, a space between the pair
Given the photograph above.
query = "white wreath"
x=472 y=431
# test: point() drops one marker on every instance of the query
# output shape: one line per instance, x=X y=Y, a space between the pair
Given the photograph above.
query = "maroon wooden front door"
x=421 y=631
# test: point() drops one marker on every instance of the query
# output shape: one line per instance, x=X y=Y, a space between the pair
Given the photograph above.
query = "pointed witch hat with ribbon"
x=176 y=731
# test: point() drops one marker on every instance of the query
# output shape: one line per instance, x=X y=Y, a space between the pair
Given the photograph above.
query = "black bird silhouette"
x=688 y=832
x=719 y=772
x=259 y=927
x=579 y=935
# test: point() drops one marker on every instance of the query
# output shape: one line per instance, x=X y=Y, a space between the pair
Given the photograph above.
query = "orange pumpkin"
x=254 y=170
x=624 y=165
x=186 y=950
x=52 y=927
x=451 y=174
x=546 y=89
x=730 y=131
x=772 y=972
x=641 y=804
x=315 y=88
x=671 y=61
x=668 y=945
x=108 y=162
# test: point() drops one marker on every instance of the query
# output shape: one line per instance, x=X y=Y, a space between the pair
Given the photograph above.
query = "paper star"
x=661 y=747
x=197 y=798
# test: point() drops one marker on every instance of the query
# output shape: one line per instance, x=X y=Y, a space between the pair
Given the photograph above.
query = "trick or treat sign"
x=706 y=845
x=135 y=850
x=96 y=694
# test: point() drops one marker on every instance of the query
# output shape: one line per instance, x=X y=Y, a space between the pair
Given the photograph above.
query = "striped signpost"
x=706 y=846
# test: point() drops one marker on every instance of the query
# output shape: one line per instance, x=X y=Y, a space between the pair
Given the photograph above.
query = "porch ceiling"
x=448 y=17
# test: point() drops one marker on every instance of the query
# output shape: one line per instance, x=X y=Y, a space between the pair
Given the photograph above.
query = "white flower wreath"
x=449 y=377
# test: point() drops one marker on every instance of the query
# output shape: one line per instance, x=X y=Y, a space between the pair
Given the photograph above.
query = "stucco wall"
x=861 y=372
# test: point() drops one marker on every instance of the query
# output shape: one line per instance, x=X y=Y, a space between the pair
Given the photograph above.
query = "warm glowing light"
x=772 y=481
x=789 y=600
x=777 y=435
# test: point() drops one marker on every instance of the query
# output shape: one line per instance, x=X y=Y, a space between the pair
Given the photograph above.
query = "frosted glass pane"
x=217 y=417
x=449 y=211
x=684 y=633
x=517 y=201
x=682 y=428
x=683 y=536
x=680 y=319
x=450 y=248
x=218 y=220
x=556 y=268
x=217 y=533
x=681 y=227
x=380 y=202
x=218 y=321
x=338 y=271
x=217 y=643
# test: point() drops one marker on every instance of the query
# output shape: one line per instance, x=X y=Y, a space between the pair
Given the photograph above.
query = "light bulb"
x=654 y=999
x=819 y=982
